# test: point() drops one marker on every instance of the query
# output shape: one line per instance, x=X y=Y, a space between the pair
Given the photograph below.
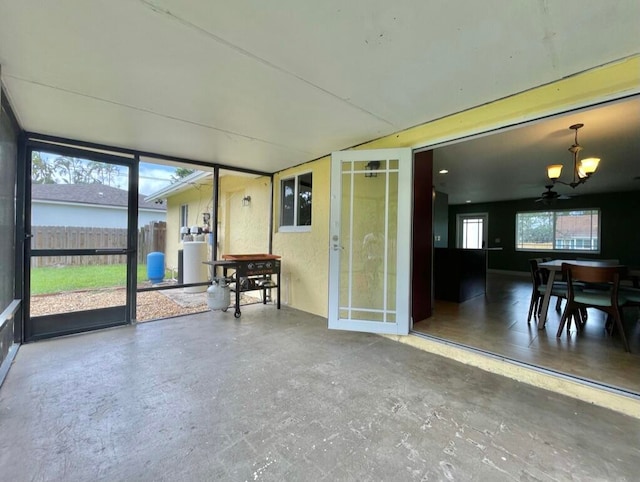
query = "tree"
x=102 y=173
x=72 y=170
x=179 y=173
x=536 y=228
x=42 y=171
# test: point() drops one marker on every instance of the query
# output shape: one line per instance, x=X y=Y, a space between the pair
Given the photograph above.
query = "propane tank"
x=218 y=295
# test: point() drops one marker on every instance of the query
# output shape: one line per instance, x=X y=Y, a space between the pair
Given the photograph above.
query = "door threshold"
x=616 y=399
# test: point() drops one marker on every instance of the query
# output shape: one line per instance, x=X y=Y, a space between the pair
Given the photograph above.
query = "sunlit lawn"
x=57 y=279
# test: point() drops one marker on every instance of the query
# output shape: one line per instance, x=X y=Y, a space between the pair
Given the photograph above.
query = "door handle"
x=336 y=246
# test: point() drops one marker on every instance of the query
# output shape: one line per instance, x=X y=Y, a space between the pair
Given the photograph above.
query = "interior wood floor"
x=497 y=323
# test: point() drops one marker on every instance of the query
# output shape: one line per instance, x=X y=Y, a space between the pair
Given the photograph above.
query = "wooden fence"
x=151 y=237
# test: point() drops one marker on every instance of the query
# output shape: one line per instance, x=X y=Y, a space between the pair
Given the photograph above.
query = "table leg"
x=278 y=288
x=542 y=319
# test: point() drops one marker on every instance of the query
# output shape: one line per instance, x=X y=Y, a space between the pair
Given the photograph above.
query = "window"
x=295 y=196
x=184 y=218
x=577 y=230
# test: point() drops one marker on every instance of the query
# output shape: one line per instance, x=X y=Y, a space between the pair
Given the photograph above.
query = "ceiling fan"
x=549 y=196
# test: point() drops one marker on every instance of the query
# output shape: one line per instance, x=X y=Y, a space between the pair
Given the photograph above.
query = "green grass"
x=72 y=278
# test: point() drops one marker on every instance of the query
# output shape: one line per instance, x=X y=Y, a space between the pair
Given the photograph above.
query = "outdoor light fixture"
x=582 y=170
x=246 y=200
x=371 y=167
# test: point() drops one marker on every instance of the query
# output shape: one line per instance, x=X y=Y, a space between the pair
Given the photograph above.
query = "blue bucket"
x=155 y=267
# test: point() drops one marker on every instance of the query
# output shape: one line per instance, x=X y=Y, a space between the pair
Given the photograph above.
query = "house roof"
x=88 y=194
x=193 y=179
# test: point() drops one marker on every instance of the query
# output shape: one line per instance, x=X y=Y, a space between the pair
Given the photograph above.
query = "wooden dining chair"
x=631 y=296
x=599 y=286
x=579 y=297
x=539 y=279
x=560 y=284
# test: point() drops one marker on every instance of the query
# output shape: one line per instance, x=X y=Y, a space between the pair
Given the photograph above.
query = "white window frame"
x=295 y=228
x=184 y=208
x=553 y=243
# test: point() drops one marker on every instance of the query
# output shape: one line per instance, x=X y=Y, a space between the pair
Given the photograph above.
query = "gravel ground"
x=151 y=305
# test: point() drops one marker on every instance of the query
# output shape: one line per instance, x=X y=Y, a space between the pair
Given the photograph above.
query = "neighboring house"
x=243 y=213
x=88 y=205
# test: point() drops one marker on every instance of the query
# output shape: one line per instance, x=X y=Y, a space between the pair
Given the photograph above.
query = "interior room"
x=501 y=174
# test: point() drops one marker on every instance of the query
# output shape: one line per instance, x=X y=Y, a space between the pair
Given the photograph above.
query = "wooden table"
x=555 y=266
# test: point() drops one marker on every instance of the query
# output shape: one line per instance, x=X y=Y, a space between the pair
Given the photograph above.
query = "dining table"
x=555 y=266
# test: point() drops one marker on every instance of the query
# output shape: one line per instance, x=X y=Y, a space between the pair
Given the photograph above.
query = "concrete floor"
x=277 y=396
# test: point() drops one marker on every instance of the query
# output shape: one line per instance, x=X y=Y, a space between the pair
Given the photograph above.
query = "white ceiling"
x=268 y=85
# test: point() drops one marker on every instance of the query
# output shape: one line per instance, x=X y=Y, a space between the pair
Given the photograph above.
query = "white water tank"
x=193 y=269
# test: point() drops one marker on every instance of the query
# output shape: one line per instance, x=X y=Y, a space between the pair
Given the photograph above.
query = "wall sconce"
x=246 y=200
x=371 y=167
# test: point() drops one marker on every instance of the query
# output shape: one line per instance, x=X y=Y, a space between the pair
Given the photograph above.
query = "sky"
x=153 y=177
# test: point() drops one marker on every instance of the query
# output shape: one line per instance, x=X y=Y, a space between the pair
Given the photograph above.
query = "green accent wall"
x=619 y=231
x=440 y=220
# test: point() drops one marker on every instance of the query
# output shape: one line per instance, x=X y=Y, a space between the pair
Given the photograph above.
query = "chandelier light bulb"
x=554 y=171
x=589 y=165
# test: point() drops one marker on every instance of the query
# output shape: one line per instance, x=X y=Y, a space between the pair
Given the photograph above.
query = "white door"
x=472 y=230
x=370 y=241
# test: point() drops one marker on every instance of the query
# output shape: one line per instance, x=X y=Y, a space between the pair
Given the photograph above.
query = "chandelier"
x=582 y=170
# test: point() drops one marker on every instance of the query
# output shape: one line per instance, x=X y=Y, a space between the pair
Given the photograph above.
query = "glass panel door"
x=80 y=248
x=472 y=231
x=370 y=241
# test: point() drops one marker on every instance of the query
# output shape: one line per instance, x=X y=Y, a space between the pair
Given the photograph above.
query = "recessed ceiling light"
x=443 y=171
x=468 y=200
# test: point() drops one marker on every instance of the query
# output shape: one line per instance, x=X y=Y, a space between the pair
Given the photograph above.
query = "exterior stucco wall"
x=244 y=229
x=199 y=201
x=241 y=229
x=306 y=255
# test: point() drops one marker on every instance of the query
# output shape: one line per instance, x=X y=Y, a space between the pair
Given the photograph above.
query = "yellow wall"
x=305 y=256
x=199 y=201
x=244 y=229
